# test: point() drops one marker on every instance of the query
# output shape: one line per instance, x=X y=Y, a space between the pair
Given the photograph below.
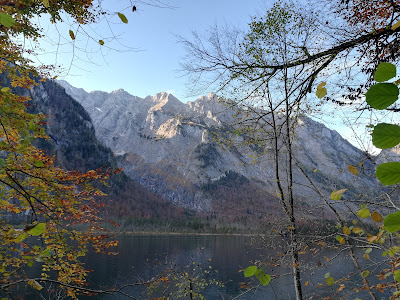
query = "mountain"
x=168 y=147
x=74 y=143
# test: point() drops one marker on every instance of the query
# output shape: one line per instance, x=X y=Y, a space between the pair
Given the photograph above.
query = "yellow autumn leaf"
x=346 y=230
x=395 y=26
x=353 y=170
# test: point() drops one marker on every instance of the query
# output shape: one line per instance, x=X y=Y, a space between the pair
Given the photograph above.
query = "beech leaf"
x=123 y=18
x=353 y=170
x=388 y=173
x=375 y=216
x=382 y=95
x=6 y=20
x=330 y=281
x=250 y=271
x=392 y=222
x=386 y=135
x=38 y=229
x=363 y=213
x=385 y=71
x=337 y=195
x=35 y=284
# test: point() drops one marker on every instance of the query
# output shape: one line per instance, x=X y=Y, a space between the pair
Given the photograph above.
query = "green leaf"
x=337 y=195
x=101 y=42
x=386 y=135
x=365 y=273
x=397 y=275
x=330 y=281
x=263 y=278
x=6 y=20
x=5 y=89
x=46 y=3
x=392 y=222
x=21 y=237
x=327 y=275
x=382 y=95
x=369 y=250
x=38 y=229
x=123 y=18
x=363 y=213
x=2 y=163
x=388 y=173
x=250 y=271
x=38 y=164
x=385 y=71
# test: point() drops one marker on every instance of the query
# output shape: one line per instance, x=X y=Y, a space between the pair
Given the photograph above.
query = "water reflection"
x=141 y=257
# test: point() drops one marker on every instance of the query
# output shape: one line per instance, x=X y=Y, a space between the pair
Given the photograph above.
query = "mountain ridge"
x=168 y=147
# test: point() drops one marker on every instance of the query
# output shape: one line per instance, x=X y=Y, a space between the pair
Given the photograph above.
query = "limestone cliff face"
x=167 y=146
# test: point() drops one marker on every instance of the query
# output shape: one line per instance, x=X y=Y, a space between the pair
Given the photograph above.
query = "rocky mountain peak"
x=169 y=147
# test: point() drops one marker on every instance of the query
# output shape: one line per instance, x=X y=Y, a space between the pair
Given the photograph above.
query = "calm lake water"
x=141 y=257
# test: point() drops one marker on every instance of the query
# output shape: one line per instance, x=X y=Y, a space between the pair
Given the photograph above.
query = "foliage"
x=54 y=201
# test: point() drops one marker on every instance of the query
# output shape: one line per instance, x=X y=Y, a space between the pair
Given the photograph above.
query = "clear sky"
x=152 y=31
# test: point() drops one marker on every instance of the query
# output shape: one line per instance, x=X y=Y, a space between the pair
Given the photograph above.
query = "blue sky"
x=153 y=66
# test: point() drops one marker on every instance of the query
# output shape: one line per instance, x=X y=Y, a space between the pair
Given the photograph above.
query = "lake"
x=142 y=257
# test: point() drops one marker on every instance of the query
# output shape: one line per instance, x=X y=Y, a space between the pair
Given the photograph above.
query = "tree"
x=269 y=72
x=55 y=202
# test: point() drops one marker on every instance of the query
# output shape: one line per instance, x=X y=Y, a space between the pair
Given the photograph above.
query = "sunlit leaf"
x=346 y=230
x=21 y=237
x=330 y=281
x=5 y=89
x=6 y=20
x=382 y=95
x=385 y=71
x=363 y=213
x=388 y=173
x=38 y=164
x=46 y=3
x=123 y=18
x=397 y=275
x=365 y=273
x=35 y=284
x=386 y=135
x=392 y=222
x=250 y=271
x=352 y=169
x=366 y=256
x=340 y=239
x=263 y=278
x=38 y=229
x=368 y=251
x=337 y=194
